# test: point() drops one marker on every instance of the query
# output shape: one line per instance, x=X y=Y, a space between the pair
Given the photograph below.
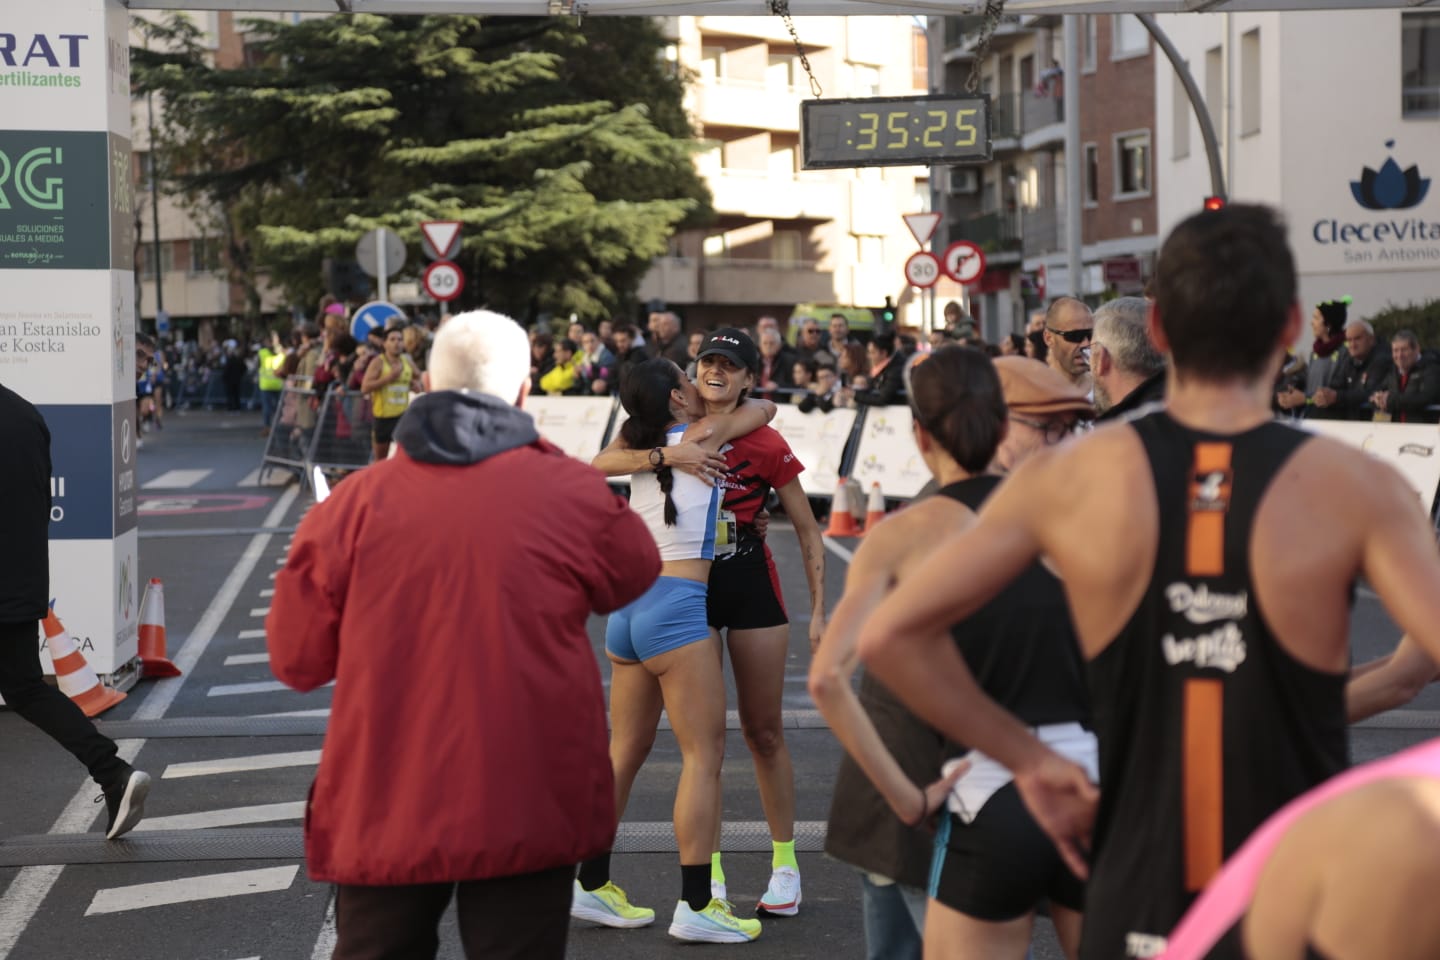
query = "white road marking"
x=251 y=479
x=325 y=712
x=259 y=686
x=259 y=611
x=176 y=479
x=229 y=817
x=210 y=887
x=267 y=592
x=241 y=659
x=842 y=552
x=325 y=943
x=271 y=574
x=280 y=561
x=22 y=899
x=250 y=635
x=264 y=761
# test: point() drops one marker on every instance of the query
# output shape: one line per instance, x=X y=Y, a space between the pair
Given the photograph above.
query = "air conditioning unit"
x=964 y=180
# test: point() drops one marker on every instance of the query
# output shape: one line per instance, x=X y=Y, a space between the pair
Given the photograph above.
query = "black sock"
x=595 y=872
x=695 y=885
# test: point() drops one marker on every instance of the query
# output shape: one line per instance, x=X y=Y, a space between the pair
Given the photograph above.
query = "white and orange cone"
x=152 y=632
x=77 y=679
x=875 y=508
x=842 y=521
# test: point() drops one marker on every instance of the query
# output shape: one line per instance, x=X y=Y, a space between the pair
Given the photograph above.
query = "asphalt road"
x=207 y=902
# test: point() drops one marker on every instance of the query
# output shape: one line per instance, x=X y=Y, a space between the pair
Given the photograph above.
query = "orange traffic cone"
x=842 y=521
x=875 y=508
x=152 y=632
x=77 y=678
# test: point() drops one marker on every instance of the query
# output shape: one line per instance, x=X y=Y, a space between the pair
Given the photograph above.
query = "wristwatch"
x=657 y=457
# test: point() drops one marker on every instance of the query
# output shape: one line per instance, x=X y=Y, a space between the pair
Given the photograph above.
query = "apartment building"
x=1014 y=206
x=784 y=235
x=1348 y=154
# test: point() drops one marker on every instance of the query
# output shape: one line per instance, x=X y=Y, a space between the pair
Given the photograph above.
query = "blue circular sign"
x=374 y=315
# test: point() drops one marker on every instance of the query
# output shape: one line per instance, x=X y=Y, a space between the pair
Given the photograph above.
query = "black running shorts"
x=1001 y=865
x=744 y=591
x=385 y=429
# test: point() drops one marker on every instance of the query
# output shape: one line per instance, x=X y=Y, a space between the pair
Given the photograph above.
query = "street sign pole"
x=384 y=278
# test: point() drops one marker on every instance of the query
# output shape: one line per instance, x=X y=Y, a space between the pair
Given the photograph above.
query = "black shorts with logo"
x=385 y=429
x=744 y=591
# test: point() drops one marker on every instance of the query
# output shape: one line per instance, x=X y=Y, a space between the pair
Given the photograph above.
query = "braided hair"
x=645 y=395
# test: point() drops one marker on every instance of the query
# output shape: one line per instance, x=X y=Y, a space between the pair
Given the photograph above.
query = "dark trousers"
x=23 y=686
x=525 y=917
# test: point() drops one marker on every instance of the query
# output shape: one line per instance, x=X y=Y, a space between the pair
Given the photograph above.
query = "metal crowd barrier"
x=328 y=430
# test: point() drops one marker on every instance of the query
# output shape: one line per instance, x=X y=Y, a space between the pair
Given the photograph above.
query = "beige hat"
x=1033 y=388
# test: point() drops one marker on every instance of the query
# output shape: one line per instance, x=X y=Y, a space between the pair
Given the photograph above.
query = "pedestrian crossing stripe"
x=259 y=611
x=244 y=659
x=228 y=817
x=177 y=480
x=191 y=889
x=250 y=635
x=259 y=686
x=264 y=761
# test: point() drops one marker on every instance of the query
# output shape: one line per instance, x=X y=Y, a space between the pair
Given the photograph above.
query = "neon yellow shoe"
x=717 y=923
x=608 y=906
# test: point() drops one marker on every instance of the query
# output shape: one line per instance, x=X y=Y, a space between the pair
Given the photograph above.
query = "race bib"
x=726 y=532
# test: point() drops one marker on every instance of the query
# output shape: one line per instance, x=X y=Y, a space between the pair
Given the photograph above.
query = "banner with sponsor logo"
x=887 y=454
x=1411 y=448
x=818 y=440
x=574 y=424
x=96 y=588
x=68 y=336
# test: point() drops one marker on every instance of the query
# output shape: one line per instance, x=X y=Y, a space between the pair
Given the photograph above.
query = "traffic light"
x=887 y=313
x=1214 y=203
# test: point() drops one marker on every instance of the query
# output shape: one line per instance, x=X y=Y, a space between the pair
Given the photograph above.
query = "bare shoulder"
x=908 y=534
x=1102 y=461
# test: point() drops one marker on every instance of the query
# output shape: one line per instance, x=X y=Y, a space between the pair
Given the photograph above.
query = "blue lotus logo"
x=1391 y=188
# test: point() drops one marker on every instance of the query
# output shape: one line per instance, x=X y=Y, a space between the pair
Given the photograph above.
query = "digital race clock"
x=891 y=131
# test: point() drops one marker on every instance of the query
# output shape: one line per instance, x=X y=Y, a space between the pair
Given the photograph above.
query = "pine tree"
x=562 y=147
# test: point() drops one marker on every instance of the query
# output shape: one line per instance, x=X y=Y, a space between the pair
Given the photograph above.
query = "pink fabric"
x=1228 y=895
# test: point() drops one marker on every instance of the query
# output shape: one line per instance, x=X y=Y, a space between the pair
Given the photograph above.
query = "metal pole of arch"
x=1074 y=238
x=1202 y=112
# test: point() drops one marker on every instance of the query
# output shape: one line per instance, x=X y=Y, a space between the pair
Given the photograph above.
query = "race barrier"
x=331 y=431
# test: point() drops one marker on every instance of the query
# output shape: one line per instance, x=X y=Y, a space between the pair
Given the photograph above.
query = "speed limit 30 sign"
x=922 y=269
x=443 y=280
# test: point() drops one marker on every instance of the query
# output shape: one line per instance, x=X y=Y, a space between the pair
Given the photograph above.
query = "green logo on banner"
x=55 y=207
x=48 y=194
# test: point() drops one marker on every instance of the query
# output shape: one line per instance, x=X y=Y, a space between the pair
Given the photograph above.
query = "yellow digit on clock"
x=868 y=130
x=967 y=129
x=927 y=138
x=904 y=134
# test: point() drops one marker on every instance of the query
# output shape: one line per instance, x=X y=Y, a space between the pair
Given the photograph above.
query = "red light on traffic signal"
x=1214 y=203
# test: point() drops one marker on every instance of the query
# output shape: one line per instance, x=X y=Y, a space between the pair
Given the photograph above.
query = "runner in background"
x=389 y=379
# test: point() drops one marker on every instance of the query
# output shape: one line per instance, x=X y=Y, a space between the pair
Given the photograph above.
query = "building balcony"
x=747 y=105
x=997 y=234
x=1043 y=231
x=1024 y=121
x=814 y=31
x=735 y=281
x=765 y=196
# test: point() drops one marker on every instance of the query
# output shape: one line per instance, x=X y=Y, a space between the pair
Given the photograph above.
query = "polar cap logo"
x=723 y=339
x=1390 y=188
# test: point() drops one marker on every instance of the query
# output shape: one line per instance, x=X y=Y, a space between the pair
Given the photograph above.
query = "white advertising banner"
x=818 y=440
x=68 y=336
x=66 y=66
x=887 y=454
x=96 y=587
x=1411 y=448
x=574 y=424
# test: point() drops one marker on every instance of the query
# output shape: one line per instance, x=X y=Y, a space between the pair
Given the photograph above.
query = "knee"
x=628 y=754
x=765 y=739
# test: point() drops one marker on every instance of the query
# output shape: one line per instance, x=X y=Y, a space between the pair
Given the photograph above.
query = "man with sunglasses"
x=1068 y=325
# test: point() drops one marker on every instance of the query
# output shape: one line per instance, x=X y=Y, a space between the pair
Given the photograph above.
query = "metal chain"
x=994 y=9
x=781 y=8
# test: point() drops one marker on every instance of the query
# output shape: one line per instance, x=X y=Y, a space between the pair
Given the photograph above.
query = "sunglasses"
x=1054 y=430
x=1072 y=336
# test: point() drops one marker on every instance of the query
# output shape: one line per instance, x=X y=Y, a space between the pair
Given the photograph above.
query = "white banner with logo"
x=1411 y=448
x=887 y=454
x=818 y=440
x=574 y=424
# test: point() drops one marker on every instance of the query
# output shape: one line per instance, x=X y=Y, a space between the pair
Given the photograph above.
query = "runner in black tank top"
x=1206 y=720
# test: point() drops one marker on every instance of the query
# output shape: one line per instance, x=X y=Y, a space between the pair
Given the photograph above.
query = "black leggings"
x=23 y=686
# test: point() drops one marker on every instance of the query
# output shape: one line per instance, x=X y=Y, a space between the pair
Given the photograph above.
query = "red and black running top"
x=756 y=463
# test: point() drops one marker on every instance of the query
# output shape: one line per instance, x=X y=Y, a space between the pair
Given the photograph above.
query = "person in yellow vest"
x=389 y=380
x=272 y=358
x=563 y=379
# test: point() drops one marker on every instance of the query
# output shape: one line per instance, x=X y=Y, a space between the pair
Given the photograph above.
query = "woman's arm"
x=724 y=427
x=812 y=548
x=618 y=460
x=831 y=671
x=1389 y=682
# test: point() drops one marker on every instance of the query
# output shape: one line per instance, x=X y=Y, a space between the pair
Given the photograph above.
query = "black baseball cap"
x=733 y=344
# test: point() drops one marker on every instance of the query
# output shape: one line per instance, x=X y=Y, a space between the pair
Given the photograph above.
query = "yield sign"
x=442 y=235
x=922 y=226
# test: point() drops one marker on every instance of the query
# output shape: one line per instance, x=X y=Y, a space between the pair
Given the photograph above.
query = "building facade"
x=1014 y=206
x=784 y=235
x=1347 y=154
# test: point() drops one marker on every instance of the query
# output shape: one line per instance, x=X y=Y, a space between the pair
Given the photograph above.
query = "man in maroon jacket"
x=446 y=591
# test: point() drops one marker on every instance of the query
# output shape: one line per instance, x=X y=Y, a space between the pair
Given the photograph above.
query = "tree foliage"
x=562 y=148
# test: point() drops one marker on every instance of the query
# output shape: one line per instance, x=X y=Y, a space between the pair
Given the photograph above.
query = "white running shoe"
x=717 y=923
x=609 y=907
x=782 y=897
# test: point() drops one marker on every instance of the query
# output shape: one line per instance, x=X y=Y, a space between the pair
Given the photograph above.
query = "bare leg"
x=1068 y=925
x=634 y=716
x=758 y=659
x=951 y=935
x=694 y=695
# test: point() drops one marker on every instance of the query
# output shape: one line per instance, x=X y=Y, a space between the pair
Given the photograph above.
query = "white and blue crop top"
x=697 y=511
